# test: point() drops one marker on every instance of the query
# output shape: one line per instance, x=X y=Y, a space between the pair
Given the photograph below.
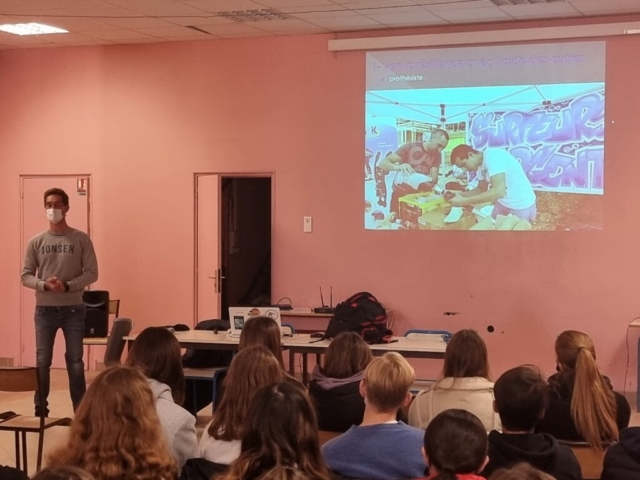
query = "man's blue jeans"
x=71 y=320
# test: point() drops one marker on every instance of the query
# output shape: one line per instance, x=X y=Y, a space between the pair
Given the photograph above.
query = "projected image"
x=496 y=157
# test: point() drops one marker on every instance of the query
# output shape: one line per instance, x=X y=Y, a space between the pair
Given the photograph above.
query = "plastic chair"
x=423 y=383
x=25 y=379
x=114 y=307
x=115 y=343
x=215 y=375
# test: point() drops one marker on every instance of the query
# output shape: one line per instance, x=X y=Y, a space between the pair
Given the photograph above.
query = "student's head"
x=63 y=473
x=346 y=356
x=439 y=140
x=521 y=397
x=466 y=356
x=593 y=404
x=520 y=471
x=386 y=382
x=571 y=345
x=455 y=442
x=116 y=432
x=263 y=332
x=280 y=431
x=156 y=352
x=250 y=370
x=465 y=157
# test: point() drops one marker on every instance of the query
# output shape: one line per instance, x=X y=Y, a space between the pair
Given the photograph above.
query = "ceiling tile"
x=289 y=25
x=156 y=8
x=224 y=5
x=75 y=39
x=134 y=23
x=345 y=22
x=25 y=40
x=76 y=25
x=407 y=17
x=281 y=4
x=484 y=14
x=541 y=10
x=174 y=31
x=231 y=28
x=206 y=19
x=610 y=7
x=120 y=34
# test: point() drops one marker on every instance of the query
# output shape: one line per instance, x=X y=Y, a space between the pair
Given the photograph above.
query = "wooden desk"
x=431 y=347
x=95 y=340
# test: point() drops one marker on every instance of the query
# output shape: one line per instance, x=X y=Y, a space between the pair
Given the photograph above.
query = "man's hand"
x=457 y=200
x=53 y=284
x=405 y=169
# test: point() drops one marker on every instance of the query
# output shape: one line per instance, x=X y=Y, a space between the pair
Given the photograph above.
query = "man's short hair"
x=388 y=380
x=460 y=152
x=521 y=396
x=57 y=191
x=441 y=132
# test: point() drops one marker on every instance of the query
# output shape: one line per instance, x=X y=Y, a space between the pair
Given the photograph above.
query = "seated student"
x=622 y=460
x=116 y=432
x=335 y=387
x=279 y=434
x=381 y=448
x=455 y=446
x=61 y=473
x=520 y=471
x=156 y=353
x=521 y=399
x=250 y=370
x=465 y=384
x=582 y=404
x=265 y=332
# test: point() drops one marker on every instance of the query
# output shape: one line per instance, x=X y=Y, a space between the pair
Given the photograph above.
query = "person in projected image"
x=417 y=166
x=501 y=180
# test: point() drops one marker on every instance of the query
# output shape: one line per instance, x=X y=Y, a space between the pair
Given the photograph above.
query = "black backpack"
x=361 y=313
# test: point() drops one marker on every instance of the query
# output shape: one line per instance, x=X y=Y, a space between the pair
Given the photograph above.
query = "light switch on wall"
x=307 y=225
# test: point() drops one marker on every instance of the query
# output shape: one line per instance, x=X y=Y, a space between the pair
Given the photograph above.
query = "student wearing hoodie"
x=622 y=460
x=521 y=399
x=335 y=387
x=156 y=353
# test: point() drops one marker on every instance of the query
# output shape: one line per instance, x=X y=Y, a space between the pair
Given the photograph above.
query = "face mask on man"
x=54 y=215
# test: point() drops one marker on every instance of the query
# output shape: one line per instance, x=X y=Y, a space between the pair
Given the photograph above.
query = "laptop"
x=238 y=316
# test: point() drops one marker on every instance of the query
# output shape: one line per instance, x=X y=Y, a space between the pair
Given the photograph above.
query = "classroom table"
x=423 y=347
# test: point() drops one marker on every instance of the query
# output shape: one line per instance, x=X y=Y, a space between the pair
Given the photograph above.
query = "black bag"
x=361 y=313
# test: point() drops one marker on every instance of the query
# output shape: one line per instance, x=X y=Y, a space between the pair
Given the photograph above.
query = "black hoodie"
x=622 y=460
x=539 y=449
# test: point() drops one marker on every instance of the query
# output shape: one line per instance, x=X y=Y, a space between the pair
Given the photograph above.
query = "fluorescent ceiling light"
x=30 y=29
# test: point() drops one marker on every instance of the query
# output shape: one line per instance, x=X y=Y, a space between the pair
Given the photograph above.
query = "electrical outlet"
x=307 y=225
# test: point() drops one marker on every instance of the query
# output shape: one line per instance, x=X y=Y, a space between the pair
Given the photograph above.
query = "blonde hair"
x=63 y=473
x=116 y=432
x=250 y=370
x=520 y=471
x=593 y=404
x=387 y=380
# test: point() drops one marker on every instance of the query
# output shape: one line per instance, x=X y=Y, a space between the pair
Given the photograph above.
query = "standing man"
x=411 y=158
x=501 y=180
x=58 y=264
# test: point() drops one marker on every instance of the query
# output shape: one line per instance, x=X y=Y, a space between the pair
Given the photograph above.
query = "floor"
x=60 y=406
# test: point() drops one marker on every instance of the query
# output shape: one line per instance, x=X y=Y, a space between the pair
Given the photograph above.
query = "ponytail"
x=593 y=404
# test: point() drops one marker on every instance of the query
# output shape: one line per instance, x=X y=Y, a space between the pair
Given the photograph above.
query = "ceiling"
x=109 y=22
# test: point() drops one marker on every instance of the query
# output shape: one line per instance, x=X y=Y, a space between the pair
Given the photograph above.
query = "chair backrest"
x=115 y=344
x=446 y=335
x=114 y=307
x=18 y=379
x=590 y=460
x=287 y=329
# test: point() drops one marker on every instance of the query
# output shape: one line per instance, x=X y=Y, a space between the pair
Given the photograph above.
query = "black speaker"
x=96 y=323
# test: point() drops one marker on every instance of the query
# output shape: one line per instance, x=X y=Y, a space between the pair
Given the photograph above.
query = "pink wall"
x=142 y=119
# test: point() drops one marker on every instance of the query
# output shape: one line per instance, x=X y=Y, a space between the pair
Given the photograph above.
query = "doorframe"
x=22 y=178
x=196 y=175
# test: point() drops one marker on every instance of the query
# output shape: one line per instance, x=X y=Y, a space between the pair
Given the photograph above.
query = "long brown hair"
x=280 y=431
x=156 y=352
x=466 y=356
x=264 y=332
x=347 y=355
x=116 y=432
x=593 y=404
x=250 y=370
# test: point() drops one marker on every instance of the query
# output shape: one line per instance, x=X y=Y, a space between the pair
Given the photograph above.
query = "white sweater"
x=218 y=451
x=474 y=394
